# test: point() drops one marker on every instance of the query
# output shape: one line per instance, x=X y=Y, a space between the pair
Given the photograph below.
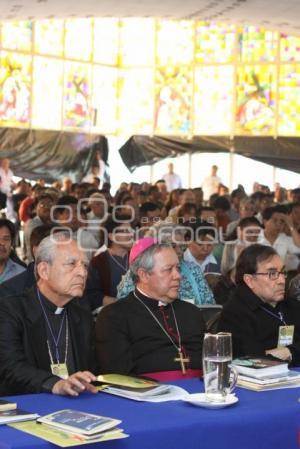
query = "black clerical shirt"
x=130 y=341
x=58 y=323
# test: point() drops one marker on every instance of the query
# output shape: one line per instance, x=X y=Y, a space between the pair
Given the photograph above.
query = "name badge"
x=60 y=370
x=285 y=335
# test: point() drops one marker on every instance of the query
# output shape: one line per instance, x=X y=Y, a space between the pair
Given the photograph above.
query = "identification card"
x=285 y=335
x=60 y=370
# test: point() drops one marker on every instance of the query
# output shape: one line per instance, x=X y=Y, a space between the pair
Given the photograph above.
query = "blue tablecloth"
x=260 y=420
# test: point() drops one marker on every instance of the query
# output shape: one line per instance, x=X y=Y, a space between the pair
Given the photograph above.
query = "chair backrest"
x=211 y=314
x=212 y=279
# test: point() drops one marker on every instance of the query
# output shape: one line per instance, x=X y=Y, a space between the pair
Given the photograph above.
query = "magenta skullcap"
x=140 y=246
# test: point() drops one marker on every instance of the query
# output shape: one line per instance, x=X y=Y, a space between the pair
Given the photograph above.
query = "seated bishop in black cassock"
x=151 y=332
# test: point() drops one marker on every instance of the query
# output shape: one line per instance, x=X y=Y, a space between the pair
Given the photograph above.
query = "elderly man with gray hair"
x=151 y=332
x=46 y=337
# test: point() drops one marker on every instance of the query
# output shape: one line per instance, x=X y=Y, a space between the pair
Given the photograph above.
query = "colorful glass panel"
x=17 y=35
x=213 y=100
x=255 y=88
x=257 y=44
x=289 y=48
x=214 y=42
x=48 y=37
x=77 y=91
x=104 y=99
x=47 y=93
x=78 y=39
x=137 y=42
x=136 y=104
x=175 y=42
x=173 y=99
x=15 y=80
x=106 y=41
x=289 y=100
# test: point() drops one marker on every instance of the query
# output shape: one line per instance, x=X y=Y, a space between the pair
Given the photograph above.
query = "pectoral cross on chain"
x=182 y=361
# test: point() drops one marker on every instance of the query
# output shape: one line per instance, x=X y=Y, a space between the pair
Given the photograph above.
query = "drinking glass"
x=219 y=377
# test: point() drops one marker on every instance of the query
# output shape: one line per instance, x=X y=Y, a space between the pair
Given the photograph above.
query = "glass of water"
x=219 y=377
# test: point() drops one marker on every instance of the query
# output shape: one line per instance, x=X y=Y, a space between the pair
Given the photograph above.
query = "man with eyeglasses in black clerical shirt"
x=262 y=321
x=151 y=332
x=46 y=334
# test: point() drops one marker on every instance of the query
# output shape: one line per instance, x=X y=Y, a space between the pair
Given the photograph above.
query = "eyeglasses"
x=272 y=275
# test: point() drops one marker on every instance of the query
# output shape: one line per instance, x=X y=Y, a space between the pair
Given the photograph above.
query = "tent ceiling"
x=282 y=152
x=276 y=14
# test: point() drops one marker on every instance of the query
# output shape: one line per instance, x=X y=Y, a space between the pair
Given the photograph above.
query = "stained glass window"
x=78 y=39
x=77 y=91
x=15 y=81
x=257 y=44
x=136 y=105
x=104 y=99
x=106 y=41
x=255 y=112
x=289 y=48
x=289 y=100
x=17 y=35
x=137 y=42
x=47 y=93
x=213 y=100
x=175 y=42
x=214 y=42
x=173 y=99
x=48 y=37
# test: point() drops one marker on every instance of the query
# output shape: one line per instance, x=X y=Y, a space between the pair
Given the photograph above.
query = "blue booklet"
x=79 y=422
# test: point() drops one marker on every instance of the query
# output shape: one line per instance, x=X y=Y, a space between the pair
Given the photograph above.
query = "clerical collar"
x=50 y=306
x=154 y=301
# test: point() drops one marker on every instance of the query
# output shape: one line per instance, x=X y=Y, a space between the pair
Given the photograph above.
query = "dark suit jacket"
x=24 y=358
x=17 y=284
x=253 y=325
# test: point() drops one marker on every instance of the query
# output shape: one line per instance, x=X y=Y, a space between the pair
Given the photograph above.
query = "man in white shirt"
x=173 y=181
x=6 y=187
x=202 y=240
x=211 y=183
x=277 y=223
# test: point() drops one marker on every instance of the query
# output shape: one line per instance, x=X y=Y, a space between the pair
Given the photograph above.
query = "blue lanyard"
x=279 y=316
x=55 y=340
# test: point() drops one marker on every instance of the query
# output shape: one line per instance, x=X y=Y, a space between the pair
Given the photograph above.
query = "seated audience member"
x=222 y=206
x=46 y=334
x=192 y=286
x=246 y=233
x=151 y=332
x=277 y=225
x=262 y=201
x=294 y=288
x=294 y=210
x=68 y=215
x=185 y=196
x=26 y=279
x=98 y=212
x=246 y=209
x=44 y=204
x=107 y=268
x=187 y=213
x=236 y=197
x=224 y=287
x=8 y=267
x=149 y=214
x=258 y=313
x=202 y=238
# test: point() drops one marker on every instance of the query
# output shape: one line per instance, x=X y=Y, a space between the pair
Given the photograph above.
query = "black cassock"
x=130 y=341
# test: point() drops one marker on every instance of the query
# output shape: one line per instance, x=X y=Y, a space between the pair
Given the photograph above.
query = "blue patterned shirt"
x=193 y=287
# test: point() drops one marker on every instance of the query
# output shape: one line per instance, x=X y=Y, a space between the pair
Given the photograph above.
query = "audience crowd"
x=120 y=283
